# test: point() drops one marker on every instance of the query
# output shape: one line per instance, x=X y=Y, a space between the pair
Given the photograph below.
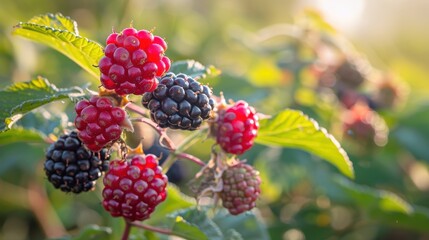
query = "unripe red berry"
x=99 y=122
x=132 y=189
x=237 y=127
x=125 y=53
x=241 y=188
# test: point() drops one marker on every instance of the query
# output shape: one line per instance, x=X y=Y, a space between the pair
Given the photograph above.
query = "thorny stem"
x=150 y=228
x=126 y=232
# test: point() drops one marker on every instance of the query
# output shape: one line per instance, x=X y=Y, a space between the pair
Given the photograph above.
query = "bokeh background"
x=359 y=67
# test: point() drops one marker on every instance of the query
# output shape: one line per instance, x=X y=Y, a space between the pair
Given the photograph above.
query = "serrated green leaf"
x=61 y=34
x=57 y=21
x=191 y=220
x=373 y=199
x=21 y=135
x=194 y=69
x=246 y=225
x=293 y=129
x=20 y=98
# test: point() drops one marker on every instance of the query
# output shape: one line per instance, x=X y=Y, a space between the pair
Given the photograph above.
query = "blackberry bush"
x=179 y=102
x=70 y=167
x=134 y=62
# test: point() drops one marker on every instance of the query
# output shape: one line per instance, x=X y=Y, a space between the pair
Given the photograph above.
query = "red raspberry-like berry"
x=132 y=61
x=133 y=189
x=241 y=188
x=237 y=127
x=99 y=122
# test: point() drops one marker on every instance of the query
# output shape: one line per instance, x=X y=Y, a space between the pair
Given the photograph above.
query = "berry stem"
x=177 y=152
x=136 y=108
x=126 y=230
x=191 y=158
x=151 y=228
x=186 y=143
x=162 y=133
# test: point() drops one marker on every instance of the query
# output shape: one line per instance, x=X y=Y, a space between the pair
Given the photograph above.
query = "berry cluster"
x=134 y=63
x=237 y=127
x=72 y=168
x=133 y=189
x=99 y=122
x=132 y=59
x=241 y=188
x=179 y=102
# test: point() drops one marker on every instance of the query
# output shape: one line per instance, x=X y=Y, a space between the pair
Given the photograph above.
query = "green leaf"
x=57 y=21
x=293 y=129
x=61 y=34
x=373 y=199
x=412 y=133
x=21 y=135
x=246 y=226
x=91 y=232
x=194 y=69
x=417 y=219
x=222 y=226
x=231 y=234
x=44 y=121
x=187 y=230
x=191 y=220
x=175 y=201
x=20 y=98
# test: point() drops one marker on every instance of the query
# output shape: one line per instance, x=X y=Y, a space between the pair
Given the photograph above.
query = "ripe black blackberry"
x=71 y=167
x=179 y=102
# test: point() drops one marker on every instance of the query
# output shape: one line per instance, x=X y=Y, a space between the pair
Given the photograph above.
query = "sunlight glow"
x=343 y=14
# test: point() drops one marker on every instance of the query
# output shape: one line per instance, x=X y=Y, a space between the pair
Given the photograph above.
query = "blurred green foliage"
x=303 y=198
